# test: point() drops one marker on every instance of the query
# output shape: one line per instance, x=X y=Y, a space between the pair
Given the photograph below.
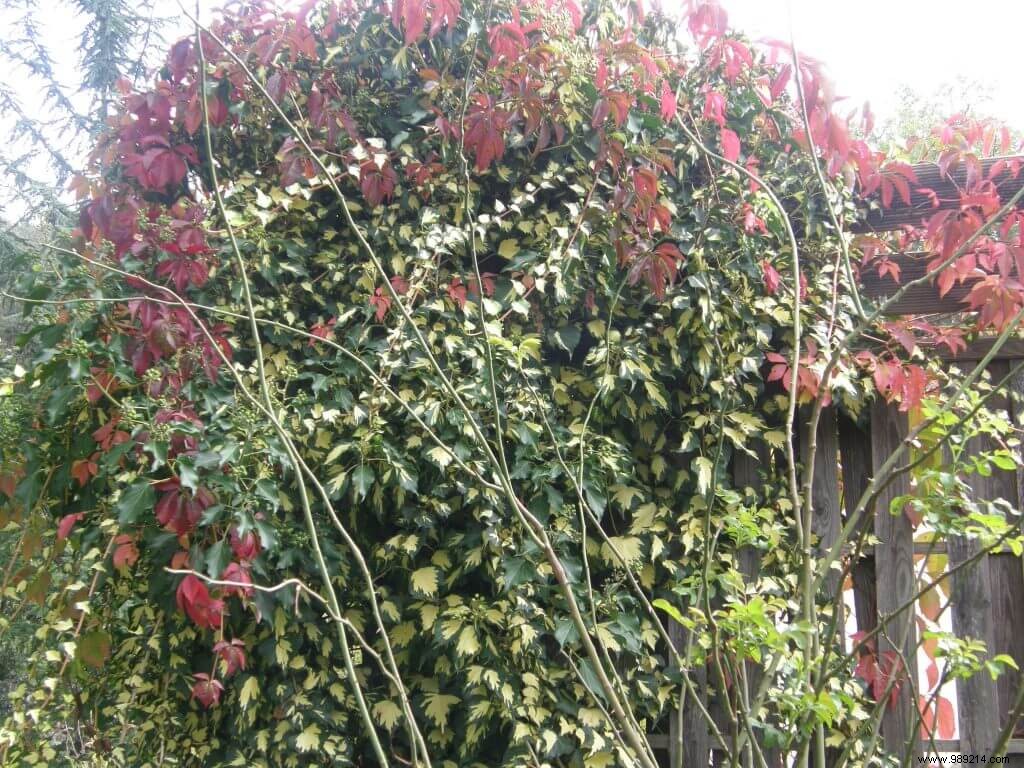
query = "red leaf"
x=781 y=81
x=669 y=106
x=246 y=547
x=485 y=126
x=207 y=690
x=194 y=599
x=377 y=182
x=322 y=330
x=457 y=292
x=232 y=655
x=126 y=554
x=83 y=469
x=67 y=523
x=772 y=278
x=714 y=108
x=730 y=145
x=381 y=302
x=179 y=509
x=239 y=573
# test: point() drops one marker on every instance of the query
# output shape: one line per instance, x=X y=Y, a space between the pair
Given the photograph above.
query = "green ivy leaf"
x=362 y=481
x=664 y=605
x=136 y=499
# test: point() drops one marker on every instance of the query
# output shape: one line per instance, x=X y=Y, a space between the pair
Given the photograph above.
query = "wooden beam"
x=921 y=299
x=1013 y=349
x=947 y=189
x=746 y=474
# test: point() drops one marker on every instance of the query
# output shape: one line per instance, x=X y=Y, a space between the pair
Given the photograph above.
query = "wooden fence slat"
x=696 y=739
x=894 y=573
x=972 y=601
x=827 y=524
x=828 y=519
x=972 y=617
x=855 y=451
x=1007 y=625
x=745 y=474
x=1005 y=570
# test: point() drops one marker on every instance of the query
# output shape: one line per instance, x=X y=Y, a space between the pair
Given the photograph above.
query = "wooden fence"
x=985 y=600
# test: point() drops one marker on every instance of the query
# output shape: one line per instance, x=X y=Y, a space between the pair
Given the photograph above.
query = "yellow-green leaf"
x=438 y=707
x=703 y=466
x=425 y=581
x=626 y=546
x=309 y=739
x=508 y=248
x=387 y=713
x=250 y=692
x=468 y=643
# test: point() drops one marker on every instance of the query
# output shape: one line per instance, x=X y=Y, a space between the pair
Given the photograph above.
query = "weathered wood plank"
x=828 y=519
x=978 y=709
x=745 y=473
x=921 y=299
x=1007 y=581
x=855 y=451
x=972 y=599
x=695 y=739
x=1012 y=349
x=1005 y=570
x=894 y=573
x=948 y=191
x=826 y=526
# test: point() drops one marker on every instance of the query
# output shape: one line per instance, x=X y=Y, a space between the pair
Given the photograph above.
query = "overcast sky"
x=872 y=47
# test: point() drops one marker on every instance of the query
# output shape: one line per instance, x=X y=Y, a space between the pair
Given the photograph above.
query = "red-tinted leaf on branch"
x=178 y=509
x=730 y=145
x=771 y=277
x=206 y=690
x=484 y=131
x=231 y=654
x=245 y=546
x=377 y=182
x=194 y=599
x=126 y=554
x=67 y=523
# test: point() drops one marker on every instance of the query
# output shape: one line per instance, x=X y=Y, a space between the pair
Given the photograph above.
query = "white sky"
x=871 y=47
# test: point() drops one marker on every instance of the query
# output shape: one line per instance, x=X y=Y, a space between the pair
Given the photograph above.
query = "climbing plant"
x=388 y=388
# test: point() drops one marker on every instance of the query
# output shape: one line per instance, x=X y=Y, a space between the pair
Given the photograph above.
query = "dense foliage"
x=515 y=305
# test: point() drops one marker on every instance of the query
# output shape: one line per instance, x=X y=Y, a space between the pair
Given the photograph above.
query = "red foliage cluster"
x=879 y=670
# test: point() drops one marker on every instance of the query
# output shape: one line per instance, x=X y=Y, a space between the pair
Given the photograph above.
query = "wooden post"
x=972 y=617
x=1007 y=625
x=826 y=526
x=972 y=603
x=855 y=450
x=745 y=474
x=828 y=519
x=689 y=742
x=894 y=575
